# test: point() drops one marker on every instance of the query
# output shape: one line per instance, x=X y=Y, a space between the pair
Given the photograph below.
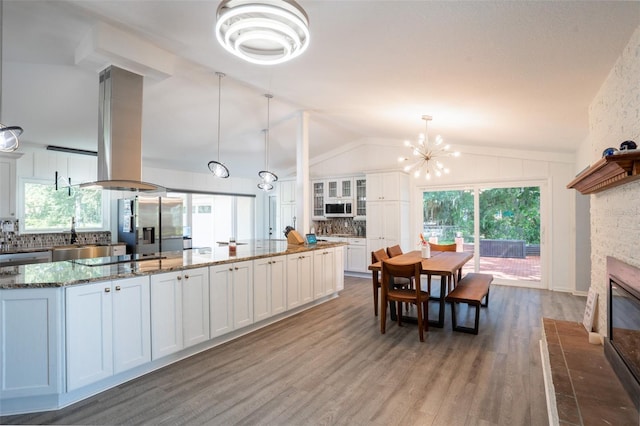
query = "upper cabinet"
x=340 y=189
x=608 y=172
x=392 y=186
x=318 y=199
x=44 y=165
x=361 y=197
x=287 y=191
x=8 y=185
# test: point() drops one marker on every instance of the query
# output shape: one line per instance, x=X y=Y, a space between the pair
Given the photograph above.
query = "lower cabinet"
x=324 y=272
x=231 y=297
x=355 y=258
x=339 y=267
x=269 y=287
x=107 y=329
x=179 y=310
x=31 y=342
x=299 y=279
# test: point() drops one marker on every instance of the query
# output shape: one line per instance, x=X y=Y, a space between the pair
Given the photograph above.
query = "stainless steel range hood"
x=120 y=133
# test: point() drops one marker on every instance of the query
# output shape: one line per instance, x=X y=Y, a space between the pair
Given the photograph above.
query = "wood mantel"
x=608 y=172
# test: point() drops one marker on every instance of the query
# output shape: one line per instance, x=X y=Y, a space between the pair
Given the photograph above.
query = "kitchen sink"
x=79 y=251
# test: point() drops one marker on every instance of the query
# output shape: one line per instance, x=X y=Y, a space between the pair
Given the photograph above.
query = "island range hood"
x=120 y=133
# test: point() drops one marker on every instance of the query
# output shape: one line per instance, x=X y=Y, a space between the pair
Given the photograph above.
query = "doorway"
x=500 y=224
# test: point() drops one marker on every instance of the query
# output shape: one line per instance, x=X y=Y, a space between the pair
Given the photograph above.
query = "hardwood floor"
x=331 y=365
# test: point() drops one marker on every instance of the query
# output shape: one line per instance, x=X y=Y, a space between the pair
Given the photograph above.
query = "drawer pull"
x=117 y=288
x=179 y=277
x=186 y=277
x=107 y=290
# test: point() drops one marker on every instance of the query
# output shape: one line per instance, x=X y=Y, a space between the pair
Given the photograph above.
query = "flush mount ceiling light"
x=264 y=32
x=217 y=168
x=267 y=177
x=426 y=155
x=9 y=141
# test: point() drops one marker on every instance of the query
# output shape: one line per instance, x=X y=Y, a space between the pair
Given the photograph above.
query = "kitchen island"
x=72 y=329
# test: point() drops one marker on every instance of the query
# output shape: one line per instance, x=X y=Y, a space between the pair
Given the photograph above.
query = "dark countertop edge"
x=291 y=249
x=43 y=249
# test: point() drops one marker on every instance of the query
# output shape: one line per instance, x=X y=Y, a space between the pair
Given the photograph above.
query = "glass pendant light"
x=267 y=177
x=218 y=169
x=9 y=141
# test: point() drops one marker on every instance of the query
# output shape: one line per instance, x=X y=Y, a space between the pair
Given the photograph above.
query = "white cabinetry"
x=287 y=202
x=107 y=329
x=31 y=342
x=231 y=297
x=361 y=198
x=339 y=189
x=179 y=310
x=339 y=267
x=355 y=258
x=324 y=272
x=8 y=185
x=269 y=287
x=299 y=279
x=80 y=168
x=317 y=199
x=387 y=211
x=392 y=186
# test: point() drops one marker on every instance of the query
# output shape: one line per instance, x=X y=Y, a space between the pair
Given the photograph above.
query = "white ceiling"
x=517 y=74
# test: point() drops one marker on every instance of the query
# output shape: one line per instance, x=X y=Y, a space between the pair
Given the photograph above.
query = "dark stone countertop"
x=65 y=273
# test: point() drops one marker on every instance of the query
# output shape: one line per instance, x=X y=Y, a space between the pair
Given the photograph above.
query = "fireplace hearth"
x=622 y=347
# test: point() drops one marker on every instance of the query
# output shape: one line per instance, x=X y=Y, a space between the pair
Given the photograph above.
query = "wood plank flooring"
x=330 y=365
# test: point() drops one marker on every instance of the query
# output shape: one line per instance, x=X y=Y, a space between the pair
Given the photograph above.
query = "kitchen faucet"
x=74 y=235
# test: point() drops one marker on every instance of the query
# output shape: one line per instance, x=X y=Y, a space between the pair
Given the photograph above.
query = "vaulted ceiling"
x=517 y=74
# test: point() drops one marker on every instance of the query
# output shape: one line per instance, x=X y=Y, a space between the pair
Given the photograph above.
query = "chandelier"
x=426 y=155
x=264 y=32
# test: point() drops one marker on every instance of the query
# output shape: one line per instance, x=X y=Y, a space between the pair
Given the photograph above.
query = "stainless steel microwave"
x=338 y=210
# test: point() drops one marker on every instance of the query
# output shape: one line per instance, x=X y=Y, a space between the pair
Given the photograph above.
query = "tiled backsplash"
x=46 y=240
x=341 y=226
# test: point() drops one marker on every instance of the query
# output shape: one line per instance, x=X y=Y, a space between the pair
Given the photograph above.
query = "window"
x=46 y=209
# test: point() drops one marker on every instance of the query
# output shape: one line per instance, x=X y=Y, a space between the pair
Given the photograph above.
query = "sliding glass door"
x=500 y=224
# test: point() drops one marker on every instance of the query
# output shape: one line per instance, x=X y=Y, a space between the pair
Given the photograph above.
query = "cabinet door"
x=242 y=294
x=195 y=306
x=7 y=186
x=361 y=197
x=278 y=278
x=305 y=275
x=356 y=258
x=262 y=289
x=89 y=334
x=166 y=314
x=346 y=188
x=293 y=281
x=221 y=299
x=339 y=267
x=323 y=272
x=287 y=191
x=31 y=342
x=317 y=209
x=131 y=323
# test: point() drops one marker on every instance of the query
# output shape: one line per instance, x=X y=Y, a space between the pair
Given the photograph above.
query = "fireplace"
x=622 y=347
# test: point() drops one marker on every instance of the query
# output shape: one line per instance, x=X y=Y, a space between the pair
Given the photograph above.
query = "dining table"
x=446 y=264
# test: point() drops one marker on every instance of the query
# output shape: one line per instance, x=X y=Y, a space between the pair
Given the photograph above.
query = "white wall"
x=614 y=116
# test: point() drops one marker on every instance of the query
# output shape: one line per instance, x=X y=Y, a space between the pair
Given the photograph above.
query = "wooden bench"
x=470 y=290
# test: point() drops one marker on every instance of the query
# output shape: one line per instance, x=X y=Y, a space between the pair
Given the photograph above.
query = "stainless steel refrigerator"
x=150 y=224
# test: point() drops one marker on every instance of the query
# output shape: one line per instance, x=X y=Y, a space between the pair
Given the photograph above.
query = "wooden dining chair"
x=441 y=247
x=379 y=256
x=394 y=251
x=415 y=296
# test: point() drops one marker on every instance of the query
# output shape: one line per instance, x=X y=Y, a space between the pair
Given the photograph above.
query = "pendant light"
x=9 y=141
x=216 y=167
x=267 y=177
